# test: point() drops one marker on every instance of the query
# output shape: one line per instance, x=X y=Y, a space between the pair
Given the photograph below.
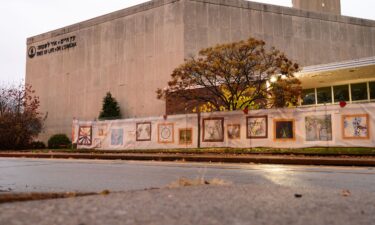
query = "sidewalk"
x=201 y=205
x=217 y=158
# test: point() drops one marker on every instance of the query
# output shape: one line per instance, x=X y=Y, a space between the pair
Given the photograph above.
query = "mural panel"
x=185 y=136
x=318 y=128
x=102 y=130
x=284 y=130
x=213 y=130
x=85 y=135
x=356 y=126
x=117 y=137
x=234 y=131
x=166 y=133
x=257 y=127
x=143 y=131
x=97 y=143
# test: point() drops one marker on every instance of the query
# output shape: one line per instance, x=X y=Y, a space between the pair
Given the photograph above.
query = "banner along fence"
x=317 y=126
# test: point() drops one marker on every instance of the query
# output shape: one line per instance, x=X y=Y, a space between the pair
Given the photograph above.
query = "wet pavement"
x=51 y=175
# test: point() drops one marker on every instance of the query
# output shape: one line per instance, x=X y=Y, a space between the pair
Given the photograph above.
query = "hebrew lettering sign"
x=52 y=47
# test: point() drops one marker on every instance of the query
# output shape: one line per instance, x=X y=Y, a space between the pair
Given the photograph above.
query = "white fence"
x=326 y=126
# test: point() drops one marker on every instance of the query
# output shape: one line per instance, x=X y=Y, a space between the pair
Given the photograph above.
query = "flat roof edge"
x=338 y=65
x=100 y=19
x=291 y=11
x=232 y=3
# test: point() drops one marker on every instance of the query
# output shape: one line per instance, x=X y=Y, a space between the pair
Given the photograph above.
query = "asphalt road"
x=35 y=175
x=259 y=194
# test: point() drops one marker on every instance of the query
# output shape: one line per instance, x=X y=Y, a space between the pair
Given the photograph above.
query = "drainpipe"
x=199 y=126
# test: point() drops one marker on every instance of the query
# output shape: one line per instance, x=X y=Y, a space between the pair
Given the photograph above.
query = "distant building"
x=324 y=6
x=132 y=52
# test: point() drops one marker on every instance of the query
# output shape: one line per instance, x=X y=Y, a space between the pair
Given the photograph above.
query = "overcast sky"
x=20 y=19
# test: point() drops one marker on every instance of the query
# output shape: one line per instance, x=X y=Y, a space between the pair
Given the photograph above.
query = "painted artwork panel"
x=185 y=136
x=85 y=135
x=97 y=143
x=143 y=131
x=117 y=137
x=166 y=133
x=284 y=130
x=257 y=127
x=318 y=128
x=356 y=126
x=234 y=131
x=102 y=130
x=213 y=130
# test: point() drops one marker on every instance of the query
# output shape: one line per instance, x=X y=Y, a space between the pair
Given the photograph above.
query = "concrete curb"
x=260 y=159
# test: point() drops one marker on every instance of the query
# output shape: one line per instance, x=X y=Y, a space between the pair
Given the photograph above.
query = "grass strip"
x=329 y=151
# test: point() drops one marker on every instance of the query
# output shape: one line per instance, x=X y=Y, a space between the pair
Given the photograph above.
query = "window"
x=359 y=91
x=308 y=97
x=341 y=93
x=324 y=95
x=372 y=90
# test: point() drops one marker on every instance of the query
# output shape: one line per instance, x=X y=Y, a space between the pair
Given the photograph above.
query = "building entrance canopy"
x=354 y=71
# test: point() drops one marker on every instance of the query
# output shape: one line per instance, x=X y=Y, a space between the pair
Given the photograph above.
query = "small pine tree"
x=110 y=109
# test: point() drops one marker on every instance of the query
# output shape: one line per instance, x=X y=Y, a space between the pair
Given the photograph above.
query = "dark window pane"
x=308 y=97
x=372 y=90
x=341 y=93
x=324 y=95
x=359 y=91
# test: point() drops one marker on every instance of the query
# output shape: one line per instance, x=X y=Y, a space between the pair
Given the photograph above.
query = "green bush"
x=37 y=145
x=58 y=141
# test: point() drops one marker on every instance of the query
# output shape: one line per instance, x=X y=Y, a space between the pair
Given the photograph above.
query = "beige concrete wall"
x=307 y=37
x=129 y=55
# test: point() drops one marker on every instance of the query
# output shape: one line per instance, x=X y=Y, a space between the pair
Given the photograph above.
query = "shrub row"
x=57 y=141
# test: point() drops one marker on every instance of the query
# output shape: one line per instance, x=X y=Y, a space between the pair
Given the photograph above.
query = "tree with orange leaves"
x=235 y=76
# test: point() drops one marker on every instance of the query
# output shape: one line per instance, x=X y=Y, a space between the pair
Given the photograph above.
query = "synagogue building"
x=133 y=51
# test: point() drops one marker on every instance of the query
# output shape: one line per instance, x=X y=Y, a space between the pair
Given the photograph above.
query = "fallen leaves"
x=346 y=193
x=185 y=182
x=105 y=192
